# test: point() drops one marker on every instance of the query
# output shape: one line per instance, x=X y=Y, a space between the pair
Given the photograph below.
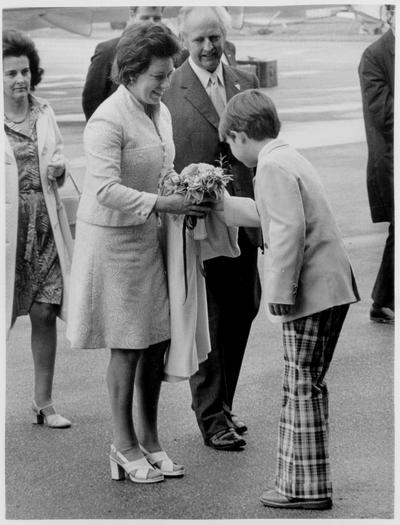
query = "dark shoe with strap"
x=381 y=314
x=238 y=426
x=226 y=439
x=271 y=498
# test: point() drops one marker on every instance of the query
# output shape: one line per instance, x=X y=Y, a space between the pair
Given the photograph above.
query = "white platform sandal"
x=163 y=463
x=51 y=420
x=138 y=471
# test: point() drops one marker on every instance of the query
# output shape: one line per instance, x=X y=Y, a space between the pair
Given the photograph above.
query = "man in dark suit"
x=199 y=89
x=376 y=72
x=98 y=85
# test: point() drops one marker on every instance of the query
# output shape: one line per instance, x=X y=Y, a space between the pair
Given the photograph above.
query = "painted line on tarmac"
x=301 y=135
x=322 y=108
x=49 y=85
x=315 y=134
x=338 y=89
x=288 y=74
x=71 y=117
x=59 y=77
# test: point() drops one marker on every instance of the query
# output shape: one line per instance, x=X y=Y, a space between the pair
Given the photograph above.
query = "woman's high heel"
x=51 y=420
x=161 y=461
x=139 y=471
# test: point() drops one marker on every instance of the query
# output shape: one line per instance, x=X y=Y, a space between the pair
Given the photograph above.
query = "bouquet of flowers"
x=197 y=182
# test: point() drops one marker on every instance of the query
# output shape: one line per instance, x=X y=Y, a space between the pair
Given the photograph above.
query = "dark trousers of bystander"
x=383 y=290
x=233 y=298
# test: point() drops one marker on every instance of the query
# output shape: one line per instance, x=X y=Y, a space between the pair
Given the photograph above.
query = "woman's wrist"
x=159 y=205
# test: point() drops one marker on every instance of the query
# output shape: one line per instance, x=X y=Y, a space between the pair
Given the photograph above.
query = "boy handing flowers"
x=308 y=285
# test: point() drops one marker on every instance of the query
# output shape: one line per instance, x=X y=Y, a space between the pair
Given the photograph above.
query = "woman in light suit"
x=118 y=280
x=38 y=238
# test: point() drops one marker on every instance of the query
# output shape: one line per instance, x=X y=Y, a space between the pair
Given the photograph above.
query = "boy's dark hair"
x=138 y=45
x=17 y=44
x=254 y=113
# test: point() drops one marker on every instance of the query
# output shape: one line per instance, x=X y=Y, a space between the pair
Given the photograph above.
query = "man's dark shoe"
x=238 y=426
x=271 y=498
x=226 y=439
x=381 y=314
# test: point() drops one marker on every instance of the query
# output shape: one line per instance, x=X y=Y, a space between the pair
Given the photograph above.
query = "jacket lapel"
x=197 y=95
x=232 y=83
x=390 y=41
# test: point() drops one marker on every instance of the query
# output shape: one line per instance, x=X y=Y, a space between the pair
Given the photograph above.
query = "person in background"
x=376 y=72
x=118 y=278
x=38 y=239
x=308 y=285
x=99 y=84
x=199 y=90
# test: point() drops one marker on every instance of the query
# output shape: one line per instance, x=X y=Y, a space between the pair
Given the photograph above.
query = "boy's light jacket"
x=305 y=261
x=49 y=145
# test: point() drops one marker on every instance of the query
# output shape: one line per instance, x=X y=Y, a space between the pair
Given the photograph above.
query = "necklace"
x=18 y=121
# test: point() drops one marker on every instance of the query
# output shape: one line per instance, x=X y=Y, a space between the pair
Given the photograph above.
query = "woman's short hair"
x=138 y=45
x=254 y=113
x=16 y=44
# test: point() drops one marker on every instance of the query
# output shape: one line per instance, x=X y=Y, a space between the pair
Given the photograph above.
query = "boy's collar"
x=271 y=145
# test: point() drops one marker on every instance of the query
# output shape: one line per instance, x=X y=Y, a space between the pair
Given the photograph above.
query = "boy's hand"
x=280 y=309
x=218 y=205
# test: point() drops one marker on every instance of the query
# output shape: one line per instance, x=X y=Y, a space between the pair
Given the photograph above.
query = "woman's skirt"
x=118 y=288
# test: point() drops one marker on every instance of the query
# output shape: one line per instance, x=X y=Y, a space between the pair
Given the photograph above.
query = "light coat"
x=305 y=264
x=49 y=146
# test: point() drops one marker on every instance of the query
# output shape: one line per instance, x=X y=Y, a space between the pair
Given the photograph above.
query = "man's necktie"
x=215 y=94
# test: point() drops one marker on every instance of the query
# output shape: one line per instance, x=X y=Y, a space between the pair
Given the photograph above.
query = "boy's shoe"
x=381 y=314
x=271 y=498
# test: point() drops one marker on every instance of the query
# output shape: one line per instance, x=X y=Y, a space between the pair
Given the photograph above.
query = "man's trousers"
x=233 y=298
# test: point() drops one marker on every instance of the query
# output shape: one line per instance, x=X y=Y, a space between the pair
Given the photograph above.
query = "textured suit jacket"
x=195 y=128
x=125 y=157
x=99 y=86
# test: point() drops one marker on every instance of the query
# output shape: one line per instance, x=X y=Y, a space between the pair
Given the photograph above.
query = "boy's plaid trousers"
x=303 y=459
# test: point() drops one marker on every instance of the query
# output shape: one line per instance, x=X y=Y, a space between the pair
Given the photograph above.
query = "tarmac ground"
x=64 y=474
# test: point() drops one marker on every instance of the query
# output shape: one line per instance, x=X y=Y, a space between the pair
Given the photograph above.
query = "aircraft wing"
x=74 y=19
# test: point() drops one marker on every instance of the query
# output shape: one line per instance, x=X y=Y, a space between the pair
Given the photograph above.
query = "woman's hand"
x=177 y=204
x=56 y=168
x=280 y=309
